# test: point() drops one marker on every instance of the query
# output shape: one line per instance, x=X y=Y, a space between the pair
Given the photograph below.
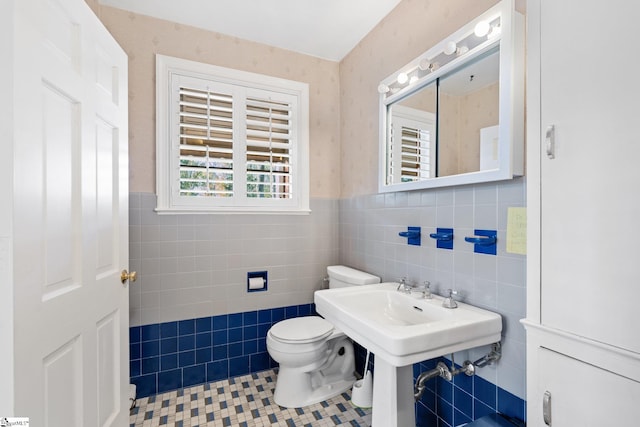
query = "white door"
x=590 y=195
x=70 y=217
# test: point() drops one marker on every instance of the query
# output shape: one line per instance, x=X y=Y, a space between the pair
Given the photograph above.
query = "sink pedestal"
x=393 y=402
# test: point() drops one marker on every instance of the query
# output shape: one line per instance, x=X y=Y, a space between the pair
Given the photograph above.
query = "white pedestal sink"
x=402 y=329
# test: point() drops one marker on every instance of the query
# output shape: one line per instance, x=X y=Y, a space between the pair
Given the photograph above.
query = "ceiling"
x=327 y=29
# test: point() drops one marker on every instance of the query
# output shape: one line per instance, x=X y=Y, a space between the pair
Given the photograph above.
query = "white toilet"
x=316 y=359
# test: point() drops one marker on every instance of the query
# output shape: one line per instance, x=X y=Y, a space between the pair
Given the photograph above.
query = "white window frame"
x=168 y=69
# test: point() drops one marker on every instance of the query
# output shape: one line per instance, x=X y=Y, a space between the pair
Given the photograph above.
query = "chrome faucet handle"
x=404 y=286
x=426 y=292
x=449 y=302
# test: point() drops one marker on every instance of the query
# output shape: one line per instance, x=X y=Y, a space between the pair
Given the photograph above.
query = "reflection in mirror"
x=412 y=137
x=469 y=103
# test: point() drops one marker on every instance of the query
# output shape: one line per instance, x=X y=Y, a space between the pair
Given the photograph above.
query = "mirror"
x=469 y=104
x=455 y=115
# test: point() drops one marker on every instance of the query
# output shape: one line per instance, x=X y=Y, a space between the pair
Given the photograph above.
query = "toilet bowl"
x=316 y=359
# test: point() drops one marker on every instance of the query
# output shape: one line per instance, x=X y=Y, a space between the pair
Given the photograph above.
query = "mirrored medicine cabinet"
x=455 y=114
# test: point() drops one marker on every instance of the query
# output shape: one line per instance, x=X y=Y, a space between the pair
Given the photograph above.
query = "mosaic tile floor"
x=245 y=401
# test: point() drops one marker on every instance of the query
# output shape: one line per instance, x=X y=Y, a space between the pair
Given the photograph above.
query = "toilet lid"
x=301 y=329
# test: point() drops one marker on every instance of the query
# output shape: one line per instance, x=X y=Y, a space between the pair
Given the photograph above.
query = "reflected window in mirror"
x=412 y=138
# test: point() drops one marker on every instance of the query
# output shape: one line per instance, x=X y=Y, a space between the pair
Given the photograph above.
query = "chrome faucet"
x=426 y=291
x=403 y=286
x=449 y=302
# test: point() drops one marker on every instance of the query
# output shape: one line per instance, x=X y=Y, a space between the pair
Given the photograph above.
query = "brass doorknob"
x=124 y=276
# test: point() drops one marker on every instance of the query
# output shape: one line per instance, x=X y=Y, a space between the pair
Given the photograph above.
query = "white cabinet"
x=580 y=394
x=590 y=190
x=584 y=211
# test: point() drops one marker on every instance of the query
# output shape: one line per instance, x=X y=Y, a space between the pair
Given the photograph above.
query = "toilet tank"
x=341 y=276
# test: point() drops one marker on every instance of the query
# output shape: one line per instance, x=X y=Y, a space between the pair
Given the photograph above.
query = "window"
x=229 y=140
x=412 y=140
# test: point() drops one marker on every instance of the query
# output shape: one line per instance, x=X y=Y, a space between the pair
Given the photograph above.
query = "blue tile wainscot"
x=172 y=355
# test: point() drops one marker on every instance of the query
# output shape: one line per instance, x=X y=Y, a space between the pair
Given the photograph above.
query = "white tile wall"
x=369 y=240
x=193 y=266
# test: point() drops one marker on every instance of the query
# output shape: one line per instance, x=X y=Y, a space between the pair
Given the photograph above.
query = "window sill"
x=223 y=211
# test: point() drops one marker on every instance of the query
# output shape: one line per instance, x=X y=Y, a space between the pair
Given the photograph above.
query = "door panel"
x=108 y=368
x=61 y=129
x=63 y=385
x=70 y=217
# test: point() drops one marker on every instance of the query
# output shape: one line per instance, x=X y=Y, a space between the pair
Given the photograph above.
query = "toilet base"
x=296 y=387
x=292 y=389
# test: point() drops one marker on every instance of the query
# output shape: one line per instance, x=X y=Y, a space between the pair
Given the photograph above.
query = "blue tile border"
x=171 y=355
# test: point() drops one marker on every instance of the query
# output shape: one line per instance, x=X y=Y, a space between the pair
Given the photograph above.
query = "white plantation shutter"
x=232 y=141
x=270 y=140
x=206 y=142
x=416 y=153
x=412 y=147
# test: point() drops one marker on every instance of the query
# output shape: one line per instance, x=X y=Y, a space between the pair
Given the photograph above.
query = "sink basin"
x=405 y=328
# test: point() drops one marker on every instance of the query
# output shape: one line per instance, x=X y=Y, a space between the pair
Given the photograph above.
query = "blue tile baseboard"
x=172 y=355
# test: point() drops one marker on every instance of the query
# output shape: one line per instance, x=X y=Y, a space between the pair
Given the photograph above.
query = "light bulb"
x=482 y=29
x=403 y=78
x=462 y=50
x=424 y=64
x=383 y=88
x=450 y=47
x=413 y=79
x=495 y=31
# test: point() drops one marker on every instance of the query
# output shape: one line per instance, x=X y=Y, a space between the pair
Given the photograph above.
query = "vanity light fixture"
x=458 y=45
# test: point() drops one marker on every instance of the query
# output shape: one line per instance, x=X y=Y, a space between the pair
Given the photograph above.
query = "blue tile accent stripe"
x=172 y=355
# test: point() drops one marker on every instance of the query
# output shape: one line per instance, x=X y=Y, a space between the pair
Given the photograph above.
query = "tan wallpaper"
x=461 y=119
x=410 y=29
x=343 y=97
x=142 y=37
x=478 y=110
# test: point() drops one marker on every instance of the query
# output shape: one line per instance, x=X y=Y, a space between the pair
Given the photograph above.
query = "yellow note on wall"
x=517 y=231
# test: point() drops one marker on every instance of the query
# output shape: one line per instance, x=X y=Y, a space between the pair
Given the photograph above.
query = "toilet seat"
x=301 y=330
